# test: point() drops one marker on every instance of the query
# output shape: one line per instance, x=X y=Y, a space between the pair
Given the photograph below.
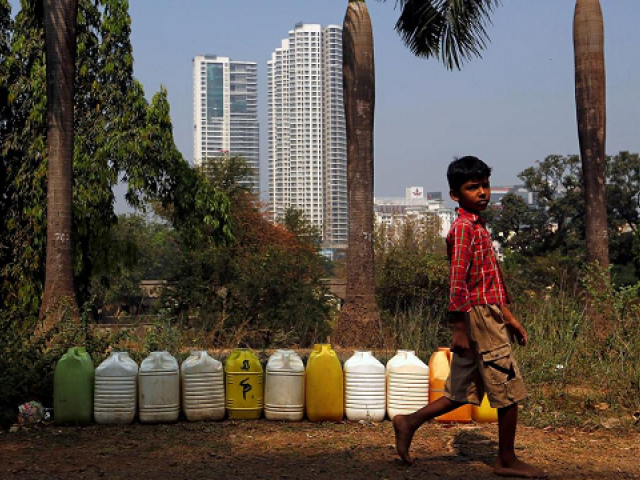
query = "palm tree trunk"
x=588 y=42
x=60 y=34
x=359 y=323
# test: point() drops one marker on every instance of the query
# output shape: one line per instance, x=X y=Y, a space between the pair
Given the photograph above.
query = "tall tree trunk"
x=588 y=43
x=359 y=323
x=60 y=35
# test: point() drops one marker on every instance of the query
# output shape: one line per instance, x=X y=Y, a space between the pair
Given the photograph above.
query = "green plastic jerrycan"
x=73 y=388
x=245 y=385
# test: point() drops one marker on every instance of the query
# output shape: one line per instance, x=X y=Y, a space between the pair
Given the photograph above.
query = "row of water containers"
x=364 y=390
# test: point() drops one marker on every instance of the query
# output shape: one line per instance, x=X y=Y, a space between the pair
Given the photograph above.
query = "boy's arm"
x=460 y=339
x=460 y=256
x=459 y=301
x=514 y=326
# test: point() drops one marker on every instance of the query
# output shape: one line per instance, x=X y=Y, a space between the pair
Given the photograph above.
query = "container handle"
x=286 y=362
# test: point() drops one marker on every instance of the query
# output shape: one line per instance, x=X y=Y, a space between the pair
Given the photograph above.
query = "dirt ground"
x=265 y=450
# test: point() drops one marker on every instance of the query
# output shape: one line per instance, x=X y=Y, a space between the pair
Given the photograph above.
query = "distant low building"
x=416 y=206
x=499 y=191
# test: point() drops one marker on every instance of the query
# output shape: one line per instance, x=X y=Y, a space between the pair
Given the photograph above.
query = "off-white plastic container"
x=284 y=390
x=398 y=357
x=407 y=384
x=202 y=379
x=365 y=388
x=115 y=390
x=159 y=388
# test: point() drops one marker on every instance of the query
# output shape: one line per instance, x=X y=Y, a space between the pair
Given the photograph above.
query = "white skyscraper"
x=307 y=135
x=225 y=106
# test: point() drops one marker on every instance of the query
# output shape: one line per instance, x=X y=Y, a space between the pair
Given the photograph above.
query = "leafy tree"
x=411 y=268
x=265 y=284
x=147 y=250
x=519 y=227
x=305 y=231
x=623 y=189
x=22 y=144
x=118 y=135
x=5 y=30
x=557 y=225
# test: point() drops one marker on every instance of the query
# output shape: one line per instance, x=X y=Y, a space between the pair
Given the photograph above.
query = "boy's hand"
x=514 y=326
x=460 y=341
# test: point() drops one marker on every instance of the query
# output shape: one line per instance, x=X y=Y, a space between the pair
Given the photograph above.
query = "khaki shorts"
x=489 y=366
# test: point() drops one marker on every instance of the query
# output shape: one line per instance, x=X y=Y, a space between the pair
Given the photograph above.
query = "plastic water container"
x=202 y=379
x=245 y=385
x=284 y=389
x=116 y=391
x=407 y=384
x=485 y=413
x=159 y=388
x=399 y=356
x=365 y=388
x=73 y=388
x=439 y=368
x=324 y=385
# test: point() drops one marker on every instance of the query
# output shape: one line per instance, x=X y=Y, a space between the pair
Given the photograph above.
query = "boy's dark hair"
x=463 y=169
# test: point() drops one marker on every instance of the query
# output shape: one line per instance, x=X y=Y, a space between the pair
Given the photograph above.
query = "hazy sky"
x=512 y=107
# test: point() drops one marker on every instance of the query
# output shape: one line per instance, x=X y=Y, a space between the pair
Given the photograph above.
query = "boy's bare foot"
x=404 y=435
x=517 y=468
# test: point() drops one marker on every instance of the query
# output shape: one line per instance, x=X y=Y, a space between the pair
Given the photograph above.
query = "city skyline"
x=511 y=108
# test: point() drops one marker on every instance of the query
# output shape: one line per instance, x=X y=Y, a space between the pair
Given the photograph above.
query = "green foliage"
x=229 y=175
x=27 y=365
x=295 y=222
x=568 y=369
x=416 y=328
x=452 y=30
x=557 y=226
x=146 y=251
x=118 y=135
x=412 y=285
x=263 y=288
x=411 y=268
x=163 y=335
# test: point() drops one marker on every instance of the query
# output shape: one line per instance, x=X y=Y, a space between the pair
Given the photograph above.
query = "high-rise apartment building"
x=307 y=134
x=225 y=106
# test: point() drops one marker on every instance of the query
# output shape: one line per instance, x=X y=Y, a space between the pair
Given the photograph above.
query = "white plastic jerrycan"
x=202 y=379
x=407 y=384
x=159 y=388
x=398 y=357
x=365 y=388
x=115 y=394
x=284 y=390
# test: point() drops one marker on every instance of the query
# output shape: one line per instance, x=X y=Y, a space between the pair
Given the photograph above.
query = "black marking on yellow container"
x=246 y=387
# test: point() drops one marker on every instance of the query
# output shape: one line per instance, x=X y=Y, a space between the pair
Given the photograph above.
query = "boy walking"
x=482 y=325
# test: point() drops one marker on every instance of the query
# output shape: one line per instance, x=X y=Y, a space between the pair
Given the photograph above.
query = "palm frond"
x=452 y=30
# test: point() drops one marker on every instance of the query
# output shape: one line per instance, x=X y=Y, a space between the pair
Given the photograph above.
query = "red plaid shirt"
x=474 y=276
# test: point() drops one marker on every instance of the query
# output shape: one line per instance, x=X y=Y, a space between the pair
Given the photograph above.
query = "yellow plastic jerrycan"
x=245 y=385
x=485 y=413
x=324 y=385
x=439 y=368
